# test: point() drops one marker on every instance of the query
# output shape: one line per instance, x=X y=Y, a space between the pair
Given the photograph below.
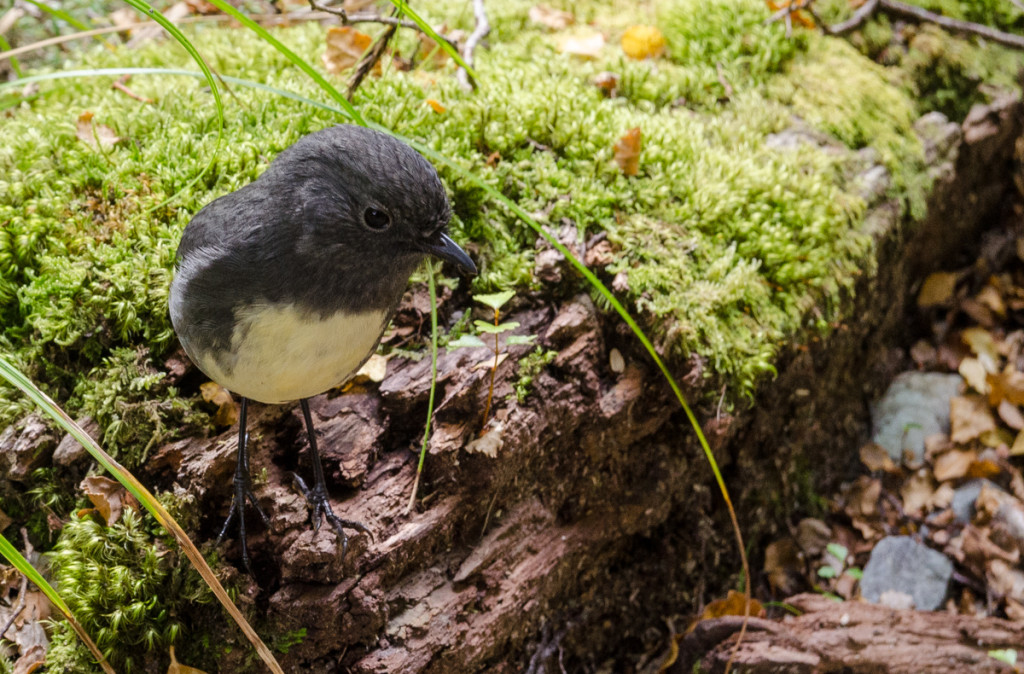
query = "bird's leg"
x=317 y=496
x=243 y=491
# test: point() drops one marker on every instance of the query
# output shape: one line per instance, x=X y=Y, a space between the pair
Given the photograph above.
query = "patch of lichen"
x=129 y=591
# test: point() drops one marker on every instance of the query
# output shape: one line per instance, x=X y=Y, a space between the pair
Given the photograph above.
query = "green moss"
x=126 y=589
x=727 y=245
x=528 y=367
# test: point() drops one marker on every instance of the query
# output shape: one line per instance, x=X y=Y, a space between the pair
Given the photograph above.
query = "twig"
x=954 y=25
x=22 y=590
x=121 y=85
x=370 y=59
x=906 y=11
x=362 y=17
x=483 y=27
x=854 y=22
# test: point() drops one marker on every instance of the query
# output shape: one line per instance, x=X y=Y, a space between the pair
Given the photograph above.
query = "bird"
x=283 y=288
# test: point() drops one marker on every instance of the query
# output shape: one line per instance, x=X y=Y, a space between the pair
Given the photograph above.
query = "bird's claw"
x=243 y=493
x=321 y=508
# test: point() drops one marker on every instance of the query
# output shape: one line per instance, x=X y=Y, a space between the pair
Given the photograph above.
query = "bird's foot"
x=243 y=493
x=321 y=507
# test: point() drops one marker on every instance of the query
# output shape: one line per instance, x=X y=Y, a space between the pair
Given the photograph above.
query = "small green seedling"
x=836 y=567
x=495 y=301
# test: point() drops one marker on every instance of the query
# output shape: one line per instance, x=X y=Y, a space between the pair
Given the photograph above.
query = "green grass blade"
x=349 y=109
x=404 y=8
x=149 y=11
x=19 y=562
x=15 y=377
x=15 y=64
x=433 y=382
x=58 y=13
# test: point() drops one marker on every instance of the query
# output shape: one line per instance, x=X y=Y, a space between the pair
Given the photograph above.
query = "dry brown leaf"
x=434 y=55
x=31 y=660
x=812 y=535
x=783 y=565
x=1003 y=579
x=95 y=135
x=875 y=458
x=990 y=297
x=917 y=492
x=953 y=464
x=108 y=496
x=552 y=19
x=981 y=342
x=984 y=468
x=373 y=369
x=1018 y=445
x=490 y=443
x=1011 y=415
x=345 y=46
x=862 y=497
x=627 y=151
x=942 y=497
x=969 y=417
x=607 y=82
x=584 y=46
x=937 y=290
x=178 y=668
x=488 y=363
x=733 y=604
x=974 y=373
x=1014 y=609
x=227 y=411
x=643 y=42
x=1006 y=386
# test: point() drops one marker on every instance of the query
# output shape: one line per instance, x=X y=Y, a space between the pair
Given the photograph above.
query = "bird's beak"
x=446 y=249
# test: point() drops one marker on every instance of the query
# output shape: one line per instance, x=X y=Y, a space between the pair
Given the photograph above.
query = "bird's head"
x=368 y=197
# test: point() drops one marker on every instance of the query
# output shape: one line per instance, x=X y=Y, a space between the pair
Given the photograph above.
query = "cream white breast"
x=281 y=353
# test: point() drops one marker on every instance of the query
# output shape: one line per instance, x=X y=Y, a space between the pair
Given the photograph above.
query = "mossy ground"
x=731 y=248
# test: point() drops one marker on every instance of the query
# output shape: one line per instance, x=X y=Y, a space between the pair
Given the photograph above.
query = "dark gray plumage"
x=284 y=287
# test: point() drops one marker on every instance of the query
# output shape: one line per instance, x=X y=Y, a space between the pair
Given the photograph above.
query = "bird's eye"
x=376 y=219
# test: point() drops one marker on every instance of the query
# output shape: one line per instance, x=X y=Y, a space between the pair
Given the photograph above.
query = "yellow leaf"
x=937 y=290
x=345 y=46
x=437 y=107
x=643 y=42
x=627 y=152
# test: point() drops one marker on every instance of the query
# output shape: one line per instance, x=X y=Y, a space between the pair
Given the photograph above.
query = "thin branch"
x=483 y=27
x=121 y=84
x=362 y=17
x=855 y=21
x=370 y=59
x=954 y=25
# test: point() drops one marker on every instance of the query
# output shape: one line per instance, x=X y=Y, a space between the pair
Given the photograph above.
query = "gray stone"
x=902 y=564
x=964 y=497
x=915 y=406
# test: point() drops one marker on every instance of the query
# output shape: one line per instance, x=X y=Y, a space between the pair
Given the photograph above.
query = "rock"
x=24 y=447
x=70 y=451
x=902 y=564
x=964 y=497
x=915 y=406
